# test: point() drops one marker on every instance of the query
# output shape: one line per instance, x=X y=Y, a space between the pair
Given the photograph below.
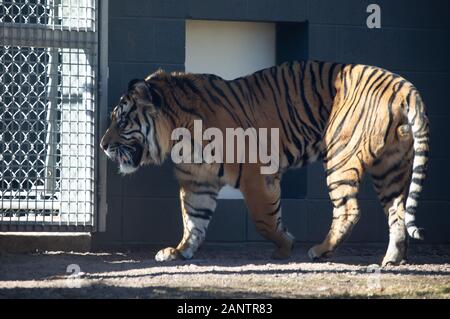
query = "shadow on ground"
x=135 y=274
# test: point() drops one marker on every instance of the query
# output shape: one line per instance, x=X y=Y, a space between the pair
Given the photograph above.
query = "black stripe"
x=391 y=116
x=185 y=109
x=258 y=85
x=417 y=181
x=178 y=168
x=411 y=209
x=238 y=181
x=199 y=184
x=319 y=97
x=397 y=178
x=386 y=199
x=217 y=101
x=277 y=108
x=230 y=109
x=321 y=64
x=331 y=87
x=238 y=100
x=410 y=224
x=421 y=169
x=221 y=170
x=307 y=108
x=414 y=195
x=289 y=156
x=393 y=221
x=335 y=185
x=343 y=200
x=213 y=194
x=245 y=94
x=250 y=89
x=277 y=209
x=206 y=213
x=197 y=92
x=199 y=216
x=300 y=144
x=335 y=138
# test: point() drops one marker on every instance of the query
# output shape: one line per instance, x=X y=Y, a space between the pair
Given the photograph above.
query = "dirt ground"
x=225 y=271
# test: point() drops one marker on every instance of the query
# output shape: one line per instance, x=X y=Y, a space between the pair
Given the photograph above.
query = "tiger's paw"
x=282 y=253
x=284 y=247
x=312 y=254
x=168 y=254
x=393 y=261
x=316 y=253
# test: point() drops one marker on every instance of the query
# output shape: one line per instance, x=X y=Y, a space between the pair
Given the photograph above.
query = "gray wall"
x=413 y=41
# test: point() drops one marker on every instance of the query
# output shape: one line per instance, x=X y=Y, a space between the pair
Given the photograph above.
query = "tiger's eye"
x=121 y=124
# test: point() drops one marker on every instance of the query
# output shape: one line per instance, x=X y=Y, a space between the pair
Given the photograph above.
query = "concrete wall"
x=413 y=41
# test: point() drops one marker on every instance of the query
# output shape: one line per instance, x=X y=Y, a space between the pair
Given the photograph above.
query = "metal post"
x=52 y=105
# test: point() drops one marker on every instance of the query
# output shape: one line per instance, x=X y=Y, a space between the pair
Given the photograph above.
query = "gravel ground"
x=226 y=271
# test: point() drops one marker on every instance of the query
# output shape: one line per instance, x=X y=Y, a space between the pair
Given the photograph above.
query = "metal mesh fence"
x=48 y=68
x=57 y=14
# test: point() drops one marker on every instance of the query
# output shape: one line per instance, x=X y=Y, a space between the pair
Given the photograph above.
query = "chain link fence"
x=48 y=68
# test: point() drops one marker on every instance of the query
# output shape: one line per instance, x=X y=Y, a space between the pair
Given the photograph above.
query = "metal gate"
x=48 y=70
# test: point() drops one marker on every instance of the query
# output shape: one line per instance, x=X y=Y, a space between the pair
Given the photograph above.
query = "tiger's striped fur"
x=357 y=118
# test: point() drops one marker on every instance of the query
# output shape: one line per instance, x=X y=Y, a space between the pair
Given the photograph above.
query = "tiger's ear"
x=145 y=94
x=132 y=83
x=157 y=98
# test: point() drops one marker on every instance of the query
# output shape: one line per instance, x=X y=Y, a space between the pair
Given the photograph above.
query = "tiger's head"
x=131 y=139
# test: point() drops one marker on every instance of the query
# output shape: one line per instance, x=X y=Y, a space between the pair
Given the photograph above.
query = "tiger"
x=356 y=118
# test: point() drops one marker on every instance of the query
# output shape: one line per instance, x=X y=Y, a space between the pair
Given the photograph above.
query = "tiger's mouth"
x=129 y=157
x=137 y=155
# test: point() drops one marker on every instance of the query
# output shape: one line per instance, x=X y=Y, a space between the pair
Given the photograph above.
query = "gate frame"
x=100 y=162
x=101 y=207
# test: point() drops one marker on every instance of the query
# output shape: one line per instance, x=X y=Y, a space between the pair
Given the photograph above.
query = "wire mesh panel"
x=48 y=68
x=73 y=14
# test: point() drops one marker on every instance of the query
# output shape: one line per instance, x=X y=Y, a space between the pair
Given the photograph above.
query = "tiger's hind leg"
x=262 y=194
x=391 y=175
x=343 y=183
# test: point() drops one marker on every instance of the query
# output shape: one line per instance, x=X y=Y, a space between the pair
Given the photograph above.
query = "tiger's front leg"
x=198 y=202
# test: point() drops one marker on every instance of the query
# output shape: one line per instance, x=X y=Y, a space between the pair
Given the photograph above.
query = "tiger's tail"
x=418 y=121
